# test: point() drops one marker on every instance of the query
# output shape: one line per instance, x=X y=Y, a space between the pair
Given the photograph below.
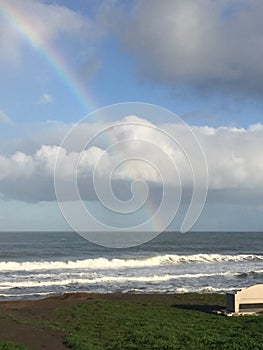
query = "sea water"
x=39 y=264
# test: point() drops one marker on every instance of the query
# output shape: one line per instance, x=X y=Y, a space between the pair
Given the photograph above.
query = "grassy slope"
x=158 y=325
x=150 y=323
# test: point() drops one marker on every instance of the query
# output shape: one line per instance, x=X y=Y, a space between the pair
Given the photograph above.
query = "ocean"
x=39 y=264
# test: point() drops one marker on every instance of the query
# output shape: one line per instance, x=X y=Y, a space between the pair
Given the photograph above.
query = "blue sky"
x=113 y=73
x=61 y=60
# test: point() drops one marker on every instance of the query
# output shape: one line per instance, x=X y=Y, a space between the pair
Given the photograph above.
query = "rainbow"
x=53 y=57
x=18 y=19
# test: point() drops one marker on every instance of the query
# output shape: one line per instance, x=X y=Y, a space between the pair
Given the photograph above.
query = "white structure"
x=248 y=299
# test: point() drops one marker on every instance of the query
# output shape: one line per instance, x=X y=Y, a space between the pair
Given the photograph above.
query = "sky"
x=62 y=60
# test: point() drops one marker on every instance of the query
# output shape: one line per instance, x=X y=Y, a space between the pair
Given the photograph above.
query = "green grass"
x=10 y=346
x=156 y=325
x=179 y=322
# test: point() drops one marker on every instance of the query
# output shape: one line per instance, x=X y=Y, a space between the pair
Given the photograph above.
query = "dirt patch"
x=33 y=337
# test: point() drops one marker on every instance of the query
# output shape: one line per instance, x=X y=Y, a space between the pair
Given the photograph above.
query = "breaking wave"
x=103 y=263
x=47 y=282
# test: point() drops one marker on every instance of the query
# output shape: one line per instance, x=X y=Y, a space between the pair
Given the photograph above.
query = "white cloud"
x=4 y=118
x=10 y=43
x=44 y=25
x=44 y=22
x=45 y=99
x=234 y=158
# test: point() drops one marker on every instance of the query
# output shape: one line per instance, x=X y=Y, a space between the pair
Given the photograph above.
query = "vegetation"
x=10 y=346
x=176 y=322
x=157 y=325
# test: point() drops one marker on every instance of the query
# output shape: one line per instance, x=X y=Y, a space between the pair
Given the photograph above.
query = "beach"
x=60 y=291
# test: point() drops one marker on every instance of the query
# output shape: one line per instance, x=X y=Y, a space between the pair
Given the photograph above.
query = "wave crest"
x=103 y=263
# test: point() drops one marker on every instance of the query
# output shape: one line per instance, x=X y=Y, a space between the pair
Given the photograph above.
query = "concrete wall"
x=251 y=295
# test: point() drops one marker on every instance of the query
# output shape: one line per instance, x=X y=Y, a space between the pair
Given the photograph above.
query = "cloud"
x=234 y=157
x=45 y=99
x=206 y=45
x=4 y=119
x=10 y=43
x=44 y=25
x=34 y=15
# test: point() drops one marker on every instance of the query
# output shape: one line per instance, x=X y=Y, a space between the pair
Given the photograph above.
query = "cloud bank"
x=234 y=157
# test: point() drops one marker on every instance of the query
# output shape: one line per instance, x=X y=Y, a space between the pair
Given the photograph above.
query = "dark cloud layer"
x=203 y=45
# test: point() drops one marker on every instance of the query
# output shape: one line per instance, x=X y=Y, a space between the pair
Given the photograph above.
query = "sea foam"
x=103 y=263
